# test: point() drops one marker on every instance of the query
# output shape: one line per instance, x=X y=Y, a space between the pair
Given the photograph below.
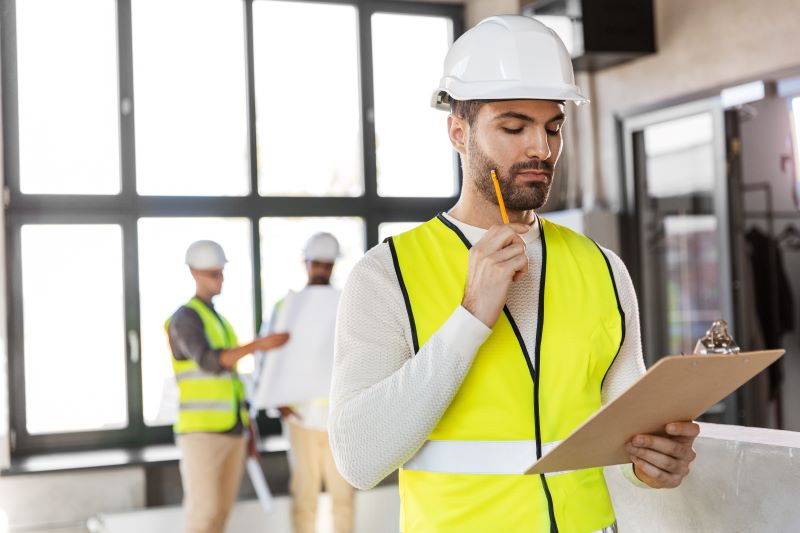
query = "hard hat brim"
x=453 y=90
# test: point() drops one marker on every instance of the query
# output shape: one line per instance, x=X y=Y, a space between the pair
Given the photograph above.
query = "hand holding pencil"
x=495 y=262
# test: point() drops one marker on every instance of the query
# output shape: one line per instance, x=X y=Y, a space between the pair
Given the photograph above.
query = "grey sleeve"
x=189 y=342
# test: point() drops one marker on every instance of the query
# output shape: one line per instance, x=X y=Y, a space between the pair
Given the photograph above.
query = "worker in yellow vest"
x=212 y=415
x=466 y=347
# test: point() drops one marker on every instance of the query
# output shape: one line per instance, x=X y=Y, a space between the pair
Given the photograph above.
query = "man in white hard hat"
x=212 y=415
x=311 y=460
x=466 y=347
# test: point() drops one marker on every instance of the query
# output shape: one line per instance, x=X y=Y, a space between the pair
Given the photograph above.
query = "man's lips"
x=534 y=175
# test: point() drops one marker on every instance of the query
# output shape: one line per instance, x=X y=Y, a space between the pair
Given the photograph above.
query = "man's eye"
x=512 y=131
x=553 y=133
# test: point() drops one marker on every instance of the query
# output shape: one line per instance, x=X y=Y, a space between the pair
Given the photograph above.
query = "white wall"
x=743 y=480
x=66 y=500
x=477 y=10
x=702 y=45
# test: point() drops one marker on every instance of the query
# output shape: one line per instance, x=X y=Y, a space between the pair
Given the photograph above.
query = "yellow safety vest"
x=209 y=401
x=510 y=408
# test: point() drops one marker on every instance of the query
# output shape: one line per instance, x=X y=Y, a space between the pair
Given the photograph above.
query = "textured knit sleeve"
x=385 y=400
x=629 y=364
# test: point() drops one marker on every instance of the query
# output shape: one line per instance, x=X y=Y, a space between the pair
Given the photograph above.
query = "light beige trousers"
x=211 y=471
x=312 y=465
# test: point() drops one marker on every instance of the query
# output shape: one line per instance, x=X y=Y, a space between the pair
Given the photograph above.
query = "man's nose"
x=537 y=145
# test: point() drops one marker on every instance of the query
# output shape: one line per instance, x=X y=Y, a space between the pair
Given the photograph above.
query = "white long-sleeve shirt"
x=386 y=400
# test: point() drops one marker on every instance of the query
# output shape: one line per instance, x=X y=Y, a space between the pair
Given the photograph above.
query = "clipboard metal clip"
x=716 y=340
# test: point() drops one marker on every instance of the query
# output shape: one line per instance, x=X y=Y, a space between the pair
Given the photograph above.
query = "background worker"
x=212 y=414
x=311 y=460
x=466 y=347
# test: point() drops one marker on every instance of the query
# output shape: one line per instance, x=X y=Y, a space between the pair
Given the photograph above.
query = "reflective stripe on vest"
x=209 y=401
x=509 y=394
x=477 y=457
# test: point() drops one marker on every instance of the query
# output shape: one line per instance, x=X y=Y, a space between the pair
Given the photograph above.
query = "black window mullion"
x=253 y=142
x=364 y=15
x=255 y=233
x=133 y=352
x=251 y=96
x=14 y=310
x=8 y=34
x=126 y=101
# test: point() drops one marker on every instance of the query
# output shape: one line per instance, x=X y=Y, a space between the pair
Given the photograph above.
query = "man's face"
x=521 y=140
x=319 y=272
x=209 y=280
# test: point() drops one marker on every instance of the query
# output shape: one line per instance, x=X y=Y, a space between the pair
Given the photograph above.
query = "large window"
x=411 y=140
x=73 y=270
x=308 y=111
x=191 y=101
x=68 y=136
x=133 y=128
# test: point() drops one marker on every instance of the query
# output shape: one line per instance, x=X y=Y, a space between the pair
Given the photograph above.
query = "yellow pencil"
x=499 y=198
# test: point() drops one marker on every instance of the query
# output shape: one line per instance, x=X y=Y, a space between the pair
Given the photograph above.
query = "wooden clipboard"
x=676 y=388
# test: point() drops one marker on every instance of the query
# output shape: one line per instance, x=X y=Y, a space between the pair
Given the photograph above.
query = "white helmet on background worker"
x=205 y=255
x=321 y=247
x=507 y=58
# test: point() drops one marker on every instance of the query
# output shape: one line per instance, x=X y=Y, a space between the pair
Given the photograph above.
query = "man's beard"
x=319 y=280
x=517 y=198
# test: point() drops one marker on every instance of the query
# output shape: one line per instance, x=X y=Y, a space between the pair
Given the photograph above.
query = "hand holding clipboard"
x=678 y=387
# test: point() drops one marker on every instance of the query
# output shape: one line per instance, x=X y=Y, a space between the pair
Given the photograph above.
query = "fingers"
x=509 y=252
x=662 y=461
x=278 y=339
x=664 y=445
x=511 y=255
x=683 y=429
x=517 y=267
x=498 y=237
x=654 y=476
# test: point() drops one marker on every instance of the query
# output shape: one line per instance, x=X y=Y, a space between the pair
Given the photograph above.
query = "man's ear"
x=457 y=129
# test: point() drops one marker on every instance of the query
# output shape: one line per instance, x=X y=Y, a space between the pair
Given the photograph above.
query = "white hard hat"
x=506 y=58
x=321 y=247
x=205 y=255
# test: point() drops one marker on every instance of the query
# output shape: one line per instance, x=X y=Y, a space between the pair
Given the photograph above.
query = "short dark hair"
x=466 y=109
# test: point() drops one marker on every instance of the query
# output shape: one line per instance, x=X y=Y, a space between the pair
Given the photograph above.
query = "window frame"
x=127 y=207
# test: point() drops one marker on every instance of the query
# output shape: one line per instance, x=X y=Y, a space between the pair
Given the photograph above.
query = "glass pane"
x=413 y=151
x=692 y=269
x=165 y=284
x=191 y=108
x=282 y=241
x=680 y=156
x=74 y=328
x=68 y=97
x=307 y=88
x=388 y=229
